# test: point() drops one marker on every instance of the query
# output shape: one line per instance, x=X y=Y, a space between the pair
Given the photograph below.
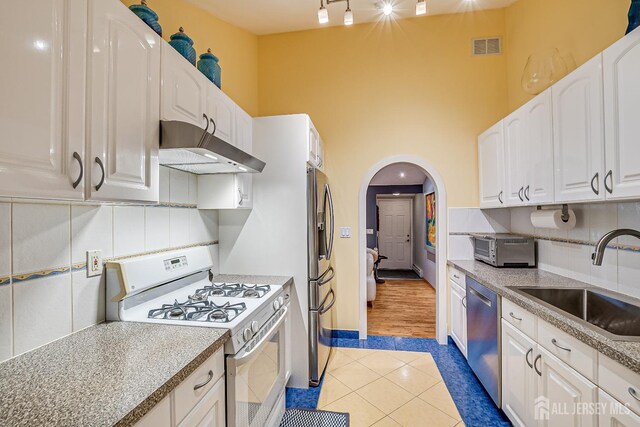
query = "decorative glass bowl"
x=542 y=70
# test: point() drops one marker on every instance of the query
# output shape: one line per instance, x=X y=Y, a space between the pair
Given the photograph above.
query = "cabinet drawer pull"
x=464 y=298
x=555 y=342
x=199 y=386
x=456 y=276
x=610 y=176
x=596 y=180
x=99 y=162
x=520 y=194
x=535 y=365
x=79 y=159
x=634 y=393
x=500 y=197
x=519 y=319
x=526 y=357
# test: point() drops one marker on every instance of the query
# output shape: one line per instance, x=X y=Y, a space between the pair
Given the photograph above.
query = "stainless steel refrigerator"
x=322 y=293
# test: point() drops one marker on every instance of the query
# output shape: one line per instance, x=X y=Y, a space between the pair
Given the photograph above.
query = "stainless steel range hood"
x=189 y=148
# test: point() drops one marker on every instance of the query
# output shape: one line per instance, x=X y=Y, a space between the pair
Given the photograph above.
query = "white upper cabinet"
x=184 y=89
x=539 y=152
x=42 y=99
x=124 y=105
x=515 y=162
x=528 y=140
x=622 y=125
x=579 y=134
x=222 y=110
x=313 y=144
x=491 y=165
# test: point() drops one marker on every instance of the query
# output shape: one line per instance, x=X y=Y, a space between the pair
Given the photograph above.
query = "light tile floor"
x=387 y=388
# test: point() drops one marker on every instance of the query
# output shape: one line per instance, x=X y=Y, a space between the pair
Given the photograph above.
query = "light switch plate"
x=345 y=232
x=94 y=263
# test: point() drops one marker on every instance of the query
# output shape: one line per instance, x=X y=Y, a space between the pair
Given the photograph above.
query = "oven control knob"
x=247 y=334
x=276 y=305
x=281 y=301
x=255 y=327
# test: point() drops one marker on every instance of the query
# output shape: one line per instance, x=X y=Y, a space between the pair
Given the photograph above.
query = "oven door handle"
x=264 y=340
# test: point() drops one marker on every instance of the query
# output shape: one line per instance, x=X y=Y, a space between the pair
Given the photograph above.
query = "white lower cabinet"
x=159 y=416
x=519 y=384
x=225 y=191
x=210 y=412
x=615 y=414
x=458 y=316
x=562 y=392
x=198 y=401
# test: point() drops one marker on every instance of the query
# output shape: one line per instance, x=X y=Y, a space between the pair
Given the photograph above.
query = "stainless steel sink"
x=612 y=315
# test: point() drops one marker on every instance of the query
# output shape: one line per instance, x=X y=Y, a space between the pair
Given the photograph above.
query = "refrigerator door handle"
x=323 y=280
x=322 y=310
x=328 y=198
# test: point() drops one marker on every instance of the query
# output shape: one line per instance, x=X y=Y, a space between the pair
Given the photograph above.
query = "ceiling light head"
x=396 y=194
x=421 y=7
x=348 y=16
x=402 y=174
x=323 y=14
x=387 y=9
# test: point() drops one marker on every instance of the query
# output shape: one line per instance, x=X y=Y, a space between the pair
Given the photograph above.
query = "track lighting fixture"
x=421 y=7
x=323 y=13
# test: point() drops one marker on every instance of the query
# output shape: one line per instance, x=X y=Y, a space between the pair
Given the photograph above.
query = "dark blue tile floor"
x=474 y=404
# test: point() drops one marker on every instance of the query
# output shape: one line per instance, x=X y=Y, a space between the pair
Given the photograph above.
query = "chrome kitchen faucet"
x=604 y=241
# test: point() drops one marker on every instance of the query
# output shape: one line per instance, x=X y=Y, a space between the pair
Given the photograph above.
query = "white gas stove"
x=176 y=288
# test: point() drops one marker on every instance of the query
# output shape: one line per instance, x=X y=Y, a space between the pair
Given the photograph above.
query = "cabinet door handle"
x=199 y=386
x=500 y=197
x=526 y=193
x=464 y=304
x=520 y=194
x=79 y=159
x=241 y=197
x=519 y=319
x=526 y=357
x=456 y=276
x=596 y=180
x=99 y=162
x=215 y=127
x=535 y=365
x=634 y=393
x=609 y=175
x=555 y=342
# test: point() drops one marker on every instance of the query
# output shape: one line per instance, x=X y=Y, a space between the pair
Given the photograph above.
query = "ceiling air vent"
x=490 y=46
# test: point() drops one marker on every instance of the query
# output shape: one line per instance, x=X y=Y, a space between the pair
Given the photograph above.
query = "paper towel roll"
x=552 y=219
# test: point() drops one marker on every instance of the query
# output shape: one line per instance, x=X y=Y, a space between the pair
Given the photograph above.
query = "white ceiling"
x=279 y=16
x=391 y=175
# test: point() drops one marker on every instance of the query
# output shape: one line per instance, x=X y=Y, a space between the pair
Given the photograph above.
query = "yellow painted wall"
x=376 y=90
x=236 y=48
x=582 y=28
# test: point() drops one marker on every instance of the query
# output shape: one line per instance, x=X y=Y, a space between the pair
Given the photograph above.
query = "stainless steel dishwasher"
x=483 y=337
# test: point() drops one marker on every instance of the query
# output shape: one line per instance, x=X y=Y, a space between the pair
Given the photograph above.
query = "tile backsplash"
x=43 y=248
x=567 y=253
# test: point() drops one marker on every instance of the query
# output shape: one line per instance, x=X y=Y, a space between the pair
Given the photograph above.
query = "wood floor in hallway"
x=403 y=308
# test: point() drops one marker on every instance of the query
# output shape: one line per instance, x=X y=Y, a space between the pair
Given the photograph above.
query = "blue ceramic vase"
x=147 y=16
x=634 y=16
x=208 y=65
x=184 y=45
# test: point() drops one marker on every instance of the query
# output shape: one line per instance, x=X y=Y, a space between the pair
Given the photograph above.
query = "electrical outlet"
x=94 y=263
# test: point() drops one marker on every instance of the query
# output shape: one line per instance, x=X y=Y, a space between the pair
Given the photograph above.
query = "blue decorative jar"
x=634 y=16
x=147 y=16
x=208 y=65
x=184 y=45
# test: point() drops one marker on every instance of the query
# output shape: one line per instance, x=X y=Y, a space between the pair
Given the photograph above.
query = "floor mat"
x=299 y=417
x=398 y=274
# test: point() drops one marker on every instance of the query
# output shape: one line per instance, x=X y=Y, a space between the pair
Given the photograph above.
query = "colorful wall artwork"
x=430 y=203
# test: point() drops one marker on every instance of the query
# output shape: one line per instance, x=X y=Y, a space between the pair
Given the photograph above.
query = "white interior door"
x=394 y=235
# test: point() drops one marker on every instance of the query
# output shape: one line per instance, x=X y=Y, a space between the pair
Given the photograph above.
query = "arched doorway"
x=441 y=241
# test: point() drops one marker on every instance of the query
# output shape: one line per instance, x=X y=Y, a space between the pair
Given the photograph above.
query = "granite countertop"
x=497 y=279
x=109 y=374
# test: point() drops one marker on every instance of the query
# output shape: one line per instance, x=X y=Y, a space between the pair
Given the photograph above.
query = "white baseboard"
x=418 y=271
